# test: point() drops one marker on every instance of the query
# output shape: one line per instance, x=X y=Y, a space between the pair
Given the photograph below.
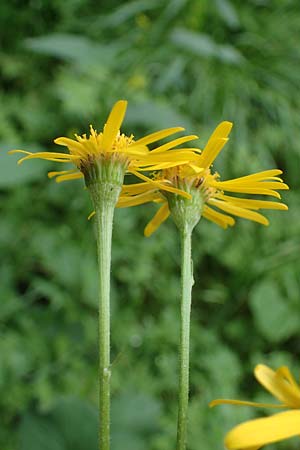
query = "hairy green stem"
x=104 y=180
x=184 y=350
x=104 y=224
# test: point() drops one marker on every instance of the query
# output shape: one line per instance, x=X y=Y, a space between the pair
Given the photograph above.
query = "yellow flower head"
x=111 y=144
x=217 y=205
x=258 y=432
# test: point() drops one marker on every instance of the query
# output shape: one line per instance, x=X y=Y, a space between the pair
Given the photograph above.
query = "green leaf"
x=134 y=411
x=39 y=433
x=203 y=45
x=274 y=316
x=228 y=13
x=71 y=425
x=126 y=11
x=134 y=417
x=77 y=421
x=73 y=48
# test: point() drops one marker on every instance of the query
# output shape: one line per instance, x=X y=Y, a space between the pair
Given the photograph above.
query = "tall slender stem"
x=104 y=178
x=104 y=224
x=184 y=350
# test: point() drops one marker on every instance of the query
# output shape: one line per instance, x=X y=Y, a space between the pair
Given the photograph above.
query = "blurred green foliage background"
x=178 y=62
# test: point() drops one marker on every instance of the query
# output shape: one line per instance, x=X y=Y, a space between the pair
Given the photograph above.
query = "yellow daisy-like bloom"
x=258 y=432
x=218 y=206
x=110 y=145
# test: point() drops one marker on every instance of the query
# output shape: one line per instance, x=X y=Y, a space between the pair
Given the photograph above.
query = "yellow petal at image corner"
x=259 y=432
x=224 y=401
x=278 y=386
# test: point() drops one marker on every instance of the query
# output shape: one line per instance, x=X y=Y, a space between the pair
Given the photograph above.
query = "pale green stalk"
x=186 y=213
x=104 y=224
x=104 y=181
x=184 y=346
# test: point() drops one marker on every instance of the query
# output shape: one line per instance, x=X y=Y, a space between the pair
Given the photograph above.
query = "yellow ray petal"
x=284 y=372
x=74 y=176
x=153 y=137
x=33 y=156
x=215 y=216
x=245 y=190
x=161 y=166
x=195 y=168
x=174 y=143
x=61 y=172
x=12 y=152
x=266 y=174
x=141 y=150
x=243 y=403
x=45 y=154
x=180 y=156
x=70 y=143
x=256 y=184
x=167 y=160
x=275 y=383
x=259 y=432
x=252 y=204
x=161 y=215
x=253 y=448
x=215 y=143
x=211 y=151
x=89 y=146
x=113 y=124
x=137 y=188
x=64 y=157
x=135 y=200
x=162 y=185
x=221 y=131
x=240 y=212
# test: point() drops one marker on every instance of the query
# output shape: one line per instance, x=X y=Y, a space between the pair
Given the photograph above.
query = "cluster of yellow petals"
x=219 y=207
x=258 y=432
x=168 y=165
x=84 y=150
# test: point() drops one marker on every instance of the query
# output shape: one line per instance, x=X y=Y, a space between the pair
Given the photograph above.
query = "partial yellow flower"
x=85 y=150
x=258 y=432
x=218 y=206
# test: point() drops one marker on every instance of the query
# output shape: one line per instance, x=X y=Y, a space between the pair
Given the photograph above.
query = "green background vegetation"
x=178 y=62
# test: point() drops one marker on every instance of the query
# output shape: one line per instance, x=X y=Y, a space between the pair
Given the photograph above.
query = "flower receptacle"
x=185 y=212
x=104 y=178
